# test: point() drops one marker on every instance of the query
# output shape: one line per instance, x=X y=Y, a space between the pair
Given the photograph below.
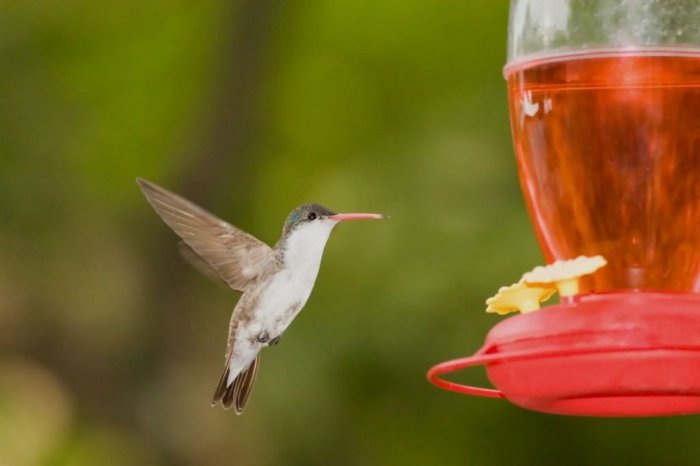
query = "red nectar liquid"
x=608 y=152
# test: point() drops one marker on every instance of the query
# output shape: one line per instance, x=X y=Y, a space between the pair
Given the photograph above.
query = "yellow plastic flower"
x=519 y=297
x=564 y=274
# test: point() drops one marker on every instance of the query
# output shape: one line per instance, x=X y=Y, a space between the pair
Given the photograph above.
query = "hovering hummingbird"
x=275 y=282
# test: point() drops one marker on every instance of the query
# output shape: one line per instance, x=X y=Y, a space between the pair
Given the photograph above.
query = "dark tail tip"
x=221 y=388
x=238 y=392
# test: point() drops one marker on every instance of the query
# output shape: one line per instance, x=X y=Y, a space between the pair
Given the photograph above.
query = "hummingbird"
x=275 y=281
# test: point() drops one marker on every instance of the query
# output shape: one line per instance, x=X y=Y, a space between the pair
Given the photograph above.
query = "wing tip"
x=145 y=185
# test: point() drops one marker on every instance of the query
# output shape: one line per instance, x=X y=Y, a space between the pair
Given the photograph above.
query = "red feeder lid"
x=613 y=354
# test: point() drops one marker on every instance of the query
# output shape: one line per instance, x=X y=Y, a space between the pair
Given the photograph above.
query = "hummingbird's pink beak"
x=344 y=217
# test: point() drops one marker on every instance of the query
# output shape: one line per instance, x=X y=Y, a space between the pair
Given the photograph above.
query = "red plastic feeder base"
x=616 y=354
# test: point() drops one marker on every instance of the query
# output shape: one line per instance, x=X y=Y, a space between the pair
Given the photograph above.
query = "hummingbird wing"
x=199 y=264
x=236 y=256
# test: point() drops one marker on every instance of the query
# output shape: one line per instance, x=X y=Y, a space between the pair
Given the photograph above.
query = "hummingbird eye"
x=311 y=216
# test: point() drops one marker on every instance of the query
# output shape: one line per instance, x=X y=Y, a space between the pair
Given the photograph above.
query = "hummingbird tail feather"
x=221 y=386
x=237 y=393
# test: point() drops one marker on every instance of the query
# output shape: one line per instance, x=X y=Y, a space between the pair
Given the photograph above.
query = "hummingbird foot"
x=263 y=337
x=275 y=340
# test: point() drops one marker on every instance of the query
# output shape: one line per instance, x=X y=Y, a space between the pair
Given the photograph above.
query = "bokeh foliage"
x=111 y=346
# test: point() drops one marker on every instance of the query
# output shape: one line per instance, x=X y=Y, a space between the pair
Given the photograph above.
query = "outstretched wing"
x=199 y=264
x=235 y=255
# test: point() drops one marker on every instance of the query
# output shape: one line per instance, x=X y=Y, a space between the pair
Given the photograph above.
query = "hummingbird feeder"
x=603 y=110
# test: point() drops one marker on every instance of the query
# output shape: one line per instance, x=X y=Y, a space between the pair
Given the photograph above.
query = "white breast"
x=287 y=292
x=304 y=248
x=291 y=286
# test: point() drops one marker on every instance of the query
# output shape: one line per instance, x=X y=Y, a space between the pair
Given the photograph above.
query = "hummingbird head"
x=305 y=214
x=307 y=229
x=316 y=214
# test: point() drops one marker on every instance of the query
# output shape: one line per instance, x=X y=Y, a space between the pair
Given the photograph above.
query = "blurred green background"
x=112 y=346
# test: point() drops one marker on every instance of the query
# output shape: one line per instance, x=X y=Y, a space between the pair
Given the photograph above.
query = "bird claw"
x=263 y=337
x=274 y=341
